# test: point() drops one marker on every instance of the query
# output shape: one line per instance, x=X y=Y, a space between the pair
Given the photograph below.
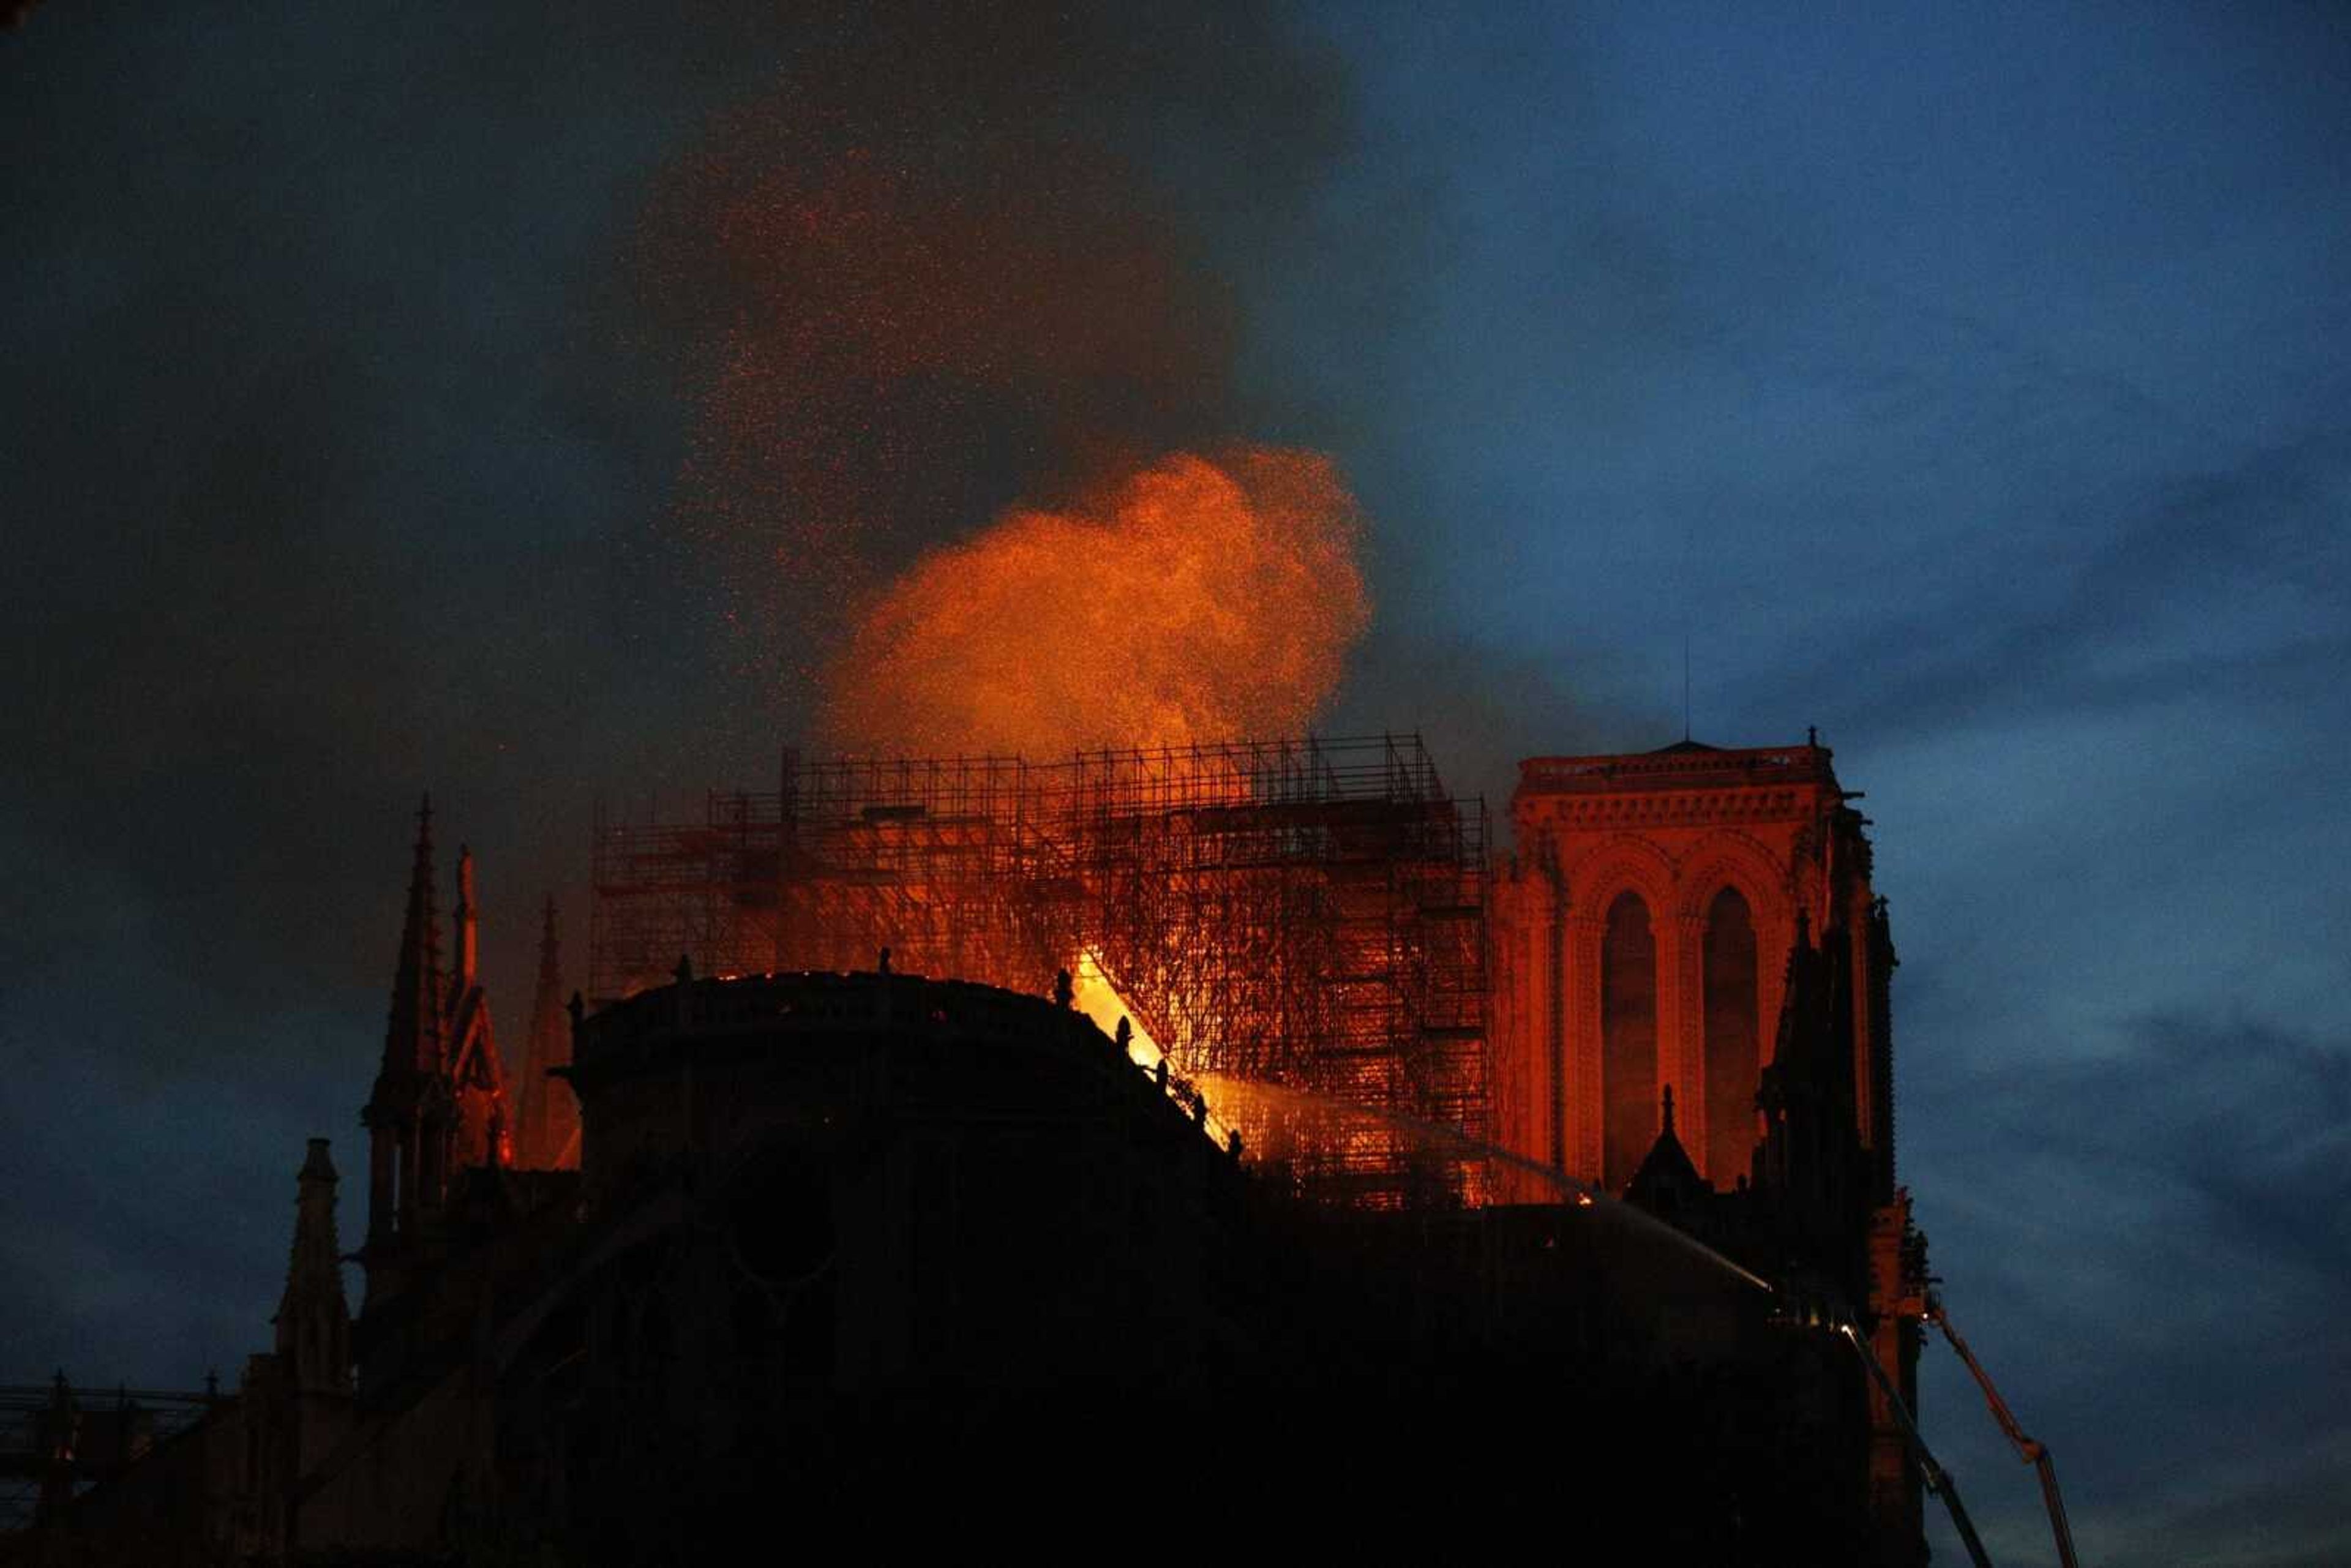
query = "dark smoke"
x=957 y=261
x=329 y=478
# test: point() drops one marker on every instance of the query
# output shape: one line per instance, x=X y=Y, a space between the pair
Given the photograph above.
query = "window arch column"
x=1689 y=1063
x=1580 y=1084
x=1636 y=1031
x=1730 y=1027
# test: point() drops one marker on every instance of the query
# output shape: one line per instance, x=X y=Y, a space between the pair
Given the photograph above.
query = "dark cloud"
x=2157 y=1235
x=2232 y=584
x=962 y=258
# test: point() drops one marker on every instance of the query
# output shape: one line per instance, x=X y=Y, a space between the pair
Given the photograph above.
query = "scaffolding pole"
x=1306 y=914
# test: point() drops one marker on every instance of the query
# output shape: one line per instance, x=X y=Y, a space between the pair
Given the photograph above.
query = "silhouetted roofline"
x=1685 y=764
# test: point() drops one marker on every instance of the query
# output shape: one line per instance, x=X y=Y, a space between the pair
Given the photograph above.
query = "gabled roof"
x=1667 y=1178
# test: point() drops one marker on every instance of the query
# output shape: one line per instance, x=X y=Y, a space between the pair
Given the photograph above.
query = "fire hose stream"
x=1789 y=1307
x=1096 y=996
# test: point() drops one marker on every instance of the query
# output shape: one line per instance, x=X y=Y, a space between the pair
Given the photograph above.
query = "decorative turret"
x=413 y=1037
x=439 y=1102
x=478 y=1127
x=1666 y=1182
x=467 y=917
x=414 y=1044
x=314 y=1324
x=1812 y=1158
x=1879 y=976
x=547 y=1119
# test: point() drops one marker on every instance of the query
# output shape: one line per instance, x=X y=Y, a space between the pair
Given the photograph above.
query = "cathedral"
x=823 y=1240
x=1642 y=939
x=1692 y=1004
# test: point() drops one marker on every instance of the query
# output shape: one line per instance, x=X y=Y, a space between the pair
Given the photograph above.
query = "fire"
x=1200 y=598
x=1093 y=994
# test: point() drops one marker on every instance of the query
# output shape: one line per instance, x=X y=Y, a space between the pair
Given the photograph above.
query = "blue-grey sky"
x=1969 y=381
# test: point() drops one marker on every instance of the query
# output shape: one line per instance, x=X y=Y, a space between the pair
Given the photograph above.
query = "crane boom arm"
x=2035 y=1454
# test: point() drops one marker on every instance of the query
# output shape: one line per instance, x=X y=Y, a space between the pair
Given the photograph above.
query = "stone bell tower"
x=1642 y=938
x=1689 y=935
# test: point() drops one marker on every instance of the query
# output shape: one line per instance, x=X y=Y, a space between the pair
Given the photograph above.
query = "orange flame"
x=1202 y=599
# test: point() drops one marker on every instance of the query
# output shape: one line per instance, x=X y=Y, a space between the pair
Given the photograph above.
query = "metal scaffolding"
x=57 y=1441
x=1306 y=915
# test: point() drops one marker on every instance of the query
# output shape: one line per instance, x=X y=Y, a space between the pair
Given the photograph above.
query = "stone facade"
x=847 y=1238
x=1695 y=928
x=1674 y=828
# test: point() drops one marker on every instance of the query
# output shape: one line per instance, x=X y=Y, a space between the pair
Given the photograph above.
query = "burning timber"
x=1304 y=914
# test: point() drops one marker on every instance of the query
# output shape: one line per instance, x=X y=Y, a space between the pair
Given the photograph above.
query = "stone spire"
x=550 y=1133
x=479 y=1123
x=415 y=1043
x=468 y=922
x=314 y=1324
x=1666 y=1182
x=413 y=1038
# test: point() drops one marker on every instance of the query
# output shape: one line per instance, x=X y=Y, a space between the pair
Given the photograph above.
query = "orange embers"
x=1200 y=597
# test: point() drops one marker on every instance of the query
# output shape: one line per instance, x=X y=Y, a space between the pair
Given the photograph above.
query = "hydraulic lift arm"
x=1939 y=1480
x=2034 y=1454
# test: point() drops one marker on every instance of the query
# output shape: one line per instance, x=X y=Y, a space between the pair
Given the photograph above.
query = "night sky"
x=1973 y=384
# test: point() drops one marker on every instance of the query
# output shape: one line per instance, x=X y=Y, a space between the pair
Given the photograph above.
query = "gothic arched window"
x=1628 y=1040
x=1734 y=1060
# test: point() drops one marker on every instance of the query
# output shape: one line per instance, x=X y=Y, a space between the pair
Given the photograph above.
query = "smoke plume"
x=958 y=267
x=1200 y=600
